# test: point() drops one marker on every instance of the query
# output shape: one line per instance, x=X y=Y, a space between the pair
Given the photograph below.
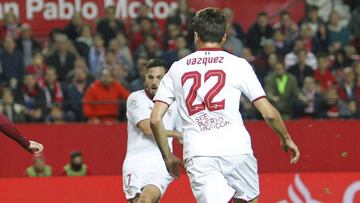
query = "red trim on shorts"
x=258 y=98
x=156 y=100
x=232 y=199
x=210 y=49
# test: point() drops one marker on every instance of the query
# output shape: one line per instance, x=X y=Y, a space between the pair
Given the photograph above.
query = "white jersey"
x=139 y=107
x=207 y=86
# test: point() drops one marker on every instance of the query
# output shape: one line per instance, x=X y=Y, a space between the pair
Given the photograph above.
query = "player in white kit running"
x=145 y=177
x=207 y=86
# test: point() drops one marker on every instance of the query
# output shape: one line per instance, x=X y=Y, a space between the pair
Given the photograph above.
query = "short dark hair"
x=263 y=13
x=155 y=62
x=210 y=25
x=75 y=154
x=284 y=12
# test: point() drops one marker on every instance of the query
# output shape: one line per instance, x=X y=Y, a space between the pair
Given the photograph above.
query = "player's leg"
x=150 y=194
x=156 y=179
x=241 y=174
x=207 y=181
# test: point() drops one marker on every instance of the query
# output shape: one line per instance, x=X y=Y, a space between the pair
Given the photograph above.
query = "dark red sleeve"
x=10 y=130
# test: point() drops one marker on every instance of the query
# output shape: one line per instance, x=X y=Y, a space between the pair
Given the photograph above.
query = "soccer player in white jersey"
x=145 y=177
x=207 y=86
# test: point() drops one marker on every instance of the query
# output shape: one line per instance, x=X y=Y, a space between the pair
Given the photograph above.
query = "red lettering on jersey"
x=210 y=95
x=193 y=61
x=221 y=59
x=188 y=62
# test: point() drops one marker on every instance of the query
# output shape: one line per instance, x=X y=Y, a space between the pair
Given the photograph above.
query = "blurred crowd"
x=83 y=72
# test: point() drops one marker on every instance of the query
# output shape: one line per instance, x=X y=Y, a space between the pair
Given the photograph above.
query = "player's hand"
x=35 y=147
x=287 y=145
x=172 y=165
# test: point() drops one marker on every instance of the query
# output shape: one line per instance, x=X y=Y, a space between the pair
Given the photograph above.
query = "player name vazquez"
x=205 y=60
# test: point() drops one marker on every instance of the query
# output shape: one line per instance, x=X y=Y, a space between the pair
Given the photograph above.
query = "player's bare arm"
x=10 y=130
x=144 y=126
x=274 y=120
x=171 y=161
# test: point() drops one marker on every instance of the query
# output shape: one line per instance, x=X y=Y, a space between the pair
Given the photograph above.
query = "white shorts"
x=143 y=172
x=219 y=179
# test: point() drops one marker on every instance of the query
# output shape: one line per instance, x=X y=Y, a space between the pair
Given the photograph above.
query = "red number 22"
x=208 y=99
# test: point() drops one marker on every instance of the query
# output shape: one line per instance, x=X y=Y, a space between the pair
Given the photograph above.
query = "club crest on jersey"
x=133 y=104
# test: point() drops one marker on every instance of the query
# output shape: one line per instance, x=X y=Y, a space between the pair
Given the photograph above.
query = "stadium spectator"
x=347 y=88
x=354 y=26
x=80 y=63
x=306 y=35
x=312 y=19
x=75 y=91
x=56 y=115
x=39 y=168
x=143 y=12
x=109 y=25
x=84 y=41
x=281 y=44
x=309 y=100
x=338 y=32
x=149 y=49
x=169 y=39
x=286 y=26
x=300 y=70
x=120 y=73
x=138 y=83
x=321 y=40
x=341 y=60
x=146 y=28
x=258 y=32
x=96 y=58
x=33 y=98
x=263 y=70
x=110 y=59
x=76 y=166
x=38 y=67
x=101 y=100
x=13 y=111
x=323 y=74
x=11 y=63
x=123 y=52
x=232 y=44
x=72 y=29
x=234 y=28
x=268 y=47
x=183 y=16
x=62 y=59
x=172 y=55
x=332 y=106
x=291 y=58
x=10 y=25
x=27 y=44
x=52 y=88
x=282 y=90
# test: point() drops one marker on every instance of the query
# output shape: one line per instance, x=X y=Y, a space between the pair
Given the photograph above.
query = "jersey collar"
x=210 y=49
x=148 y=94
